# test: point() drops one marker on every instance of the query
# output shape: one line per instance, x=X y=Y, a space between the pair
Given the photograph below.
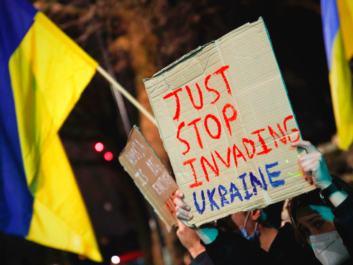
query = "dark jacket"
x=231 y=248
x=202 y=259
x=344 y=224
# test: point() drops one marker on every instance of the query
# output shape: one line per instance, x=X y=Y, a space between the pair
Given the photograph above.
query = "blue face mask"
x=254 y=237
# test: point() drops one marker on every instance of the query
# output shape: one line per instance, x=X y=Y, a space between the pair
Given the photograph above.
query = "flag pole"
x=115 y=93
x=127 y=95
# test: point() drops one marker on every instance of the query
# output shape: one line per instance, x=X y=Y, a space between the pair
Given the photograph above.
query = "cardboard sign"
x=150 y=176
x=227 y=124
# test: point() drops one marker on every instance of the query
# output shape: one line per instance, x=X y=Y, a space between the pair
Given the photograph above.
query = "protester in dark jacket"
x=252 y=242
x=231 y=248
x=323 y=218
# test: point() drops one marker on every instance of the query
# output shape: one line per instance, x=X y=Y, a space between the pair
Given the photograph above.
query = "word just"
x=245 y=150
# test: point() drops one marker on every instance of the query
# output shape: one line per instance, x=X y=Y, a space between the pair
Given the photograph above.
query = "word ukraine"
x=228 y=195
x=245 y=151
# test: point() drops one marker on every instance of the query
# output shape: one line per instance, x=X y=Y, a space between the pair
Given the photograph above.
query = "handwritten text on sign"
x=150 y=176
x=227 y=125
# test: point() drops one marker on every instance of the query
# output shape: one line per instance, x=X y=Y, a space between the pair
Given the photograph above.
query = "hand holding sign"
x=190 y=240
x=183 y=210
x=313 y=165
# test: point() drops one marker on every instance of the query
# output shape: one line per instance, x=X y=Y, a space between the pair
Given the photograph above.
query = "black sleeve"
x=344 y=222
x=202 y=259
x=231 y=248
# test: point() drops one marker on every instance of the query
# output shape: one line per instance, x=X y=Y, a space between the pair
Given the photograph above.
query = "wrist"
x=333 y=194
x=324 y=184
x=337 y=198
x=196 y=250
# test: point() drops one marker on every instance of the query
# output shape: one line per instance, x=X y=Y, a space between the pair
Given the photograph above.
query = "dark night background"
x=140 y=37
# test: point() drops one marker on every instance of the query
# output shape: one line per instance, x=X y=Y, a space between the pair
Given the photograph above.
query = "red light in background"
x=99 y=147
x=108 y=156
x=81 y=257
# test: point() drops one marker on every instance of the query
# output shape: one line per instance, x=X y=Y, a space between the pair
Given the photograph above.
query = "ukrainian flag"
x=337 y=20
x=42 y=75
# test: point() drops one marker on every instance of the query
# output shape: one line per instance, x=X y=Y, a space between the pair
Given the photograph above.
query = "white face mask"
x=329 y=248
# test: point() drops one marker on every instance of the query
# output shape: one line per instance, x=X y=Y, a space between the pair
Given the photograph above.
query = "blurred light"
x=115 y=260
x=108 y=156
x=99 y=147
x=81 y=257
x=104 y=240
x=108 y=206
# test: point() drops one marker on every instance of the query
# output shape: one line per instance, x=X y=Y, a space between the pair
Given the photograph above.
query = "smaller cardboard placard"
x=150 y=176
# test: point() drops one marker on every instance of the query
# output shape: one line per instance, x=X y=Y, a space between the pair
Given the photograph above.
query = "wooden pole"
x=127 y=95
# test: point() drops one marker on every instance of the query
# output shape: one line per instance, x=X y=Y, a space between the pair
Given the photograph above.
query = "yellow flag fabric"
x=59 y=219
x=337 y=20
x=341 y=93
x=345 y=10
x=48 y=74
x=341 y=76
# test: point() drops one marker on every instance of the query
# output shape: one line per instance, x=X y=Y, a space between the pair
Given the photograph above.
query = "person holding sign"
x=323 y=218
x=247 y=239
x=248 y=232
x=315 y=222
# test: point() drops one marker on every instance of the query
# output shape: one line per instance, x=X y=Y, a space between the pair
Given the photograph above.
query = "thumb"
x=309 y=147
x=180 y=224
x=183 y=224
